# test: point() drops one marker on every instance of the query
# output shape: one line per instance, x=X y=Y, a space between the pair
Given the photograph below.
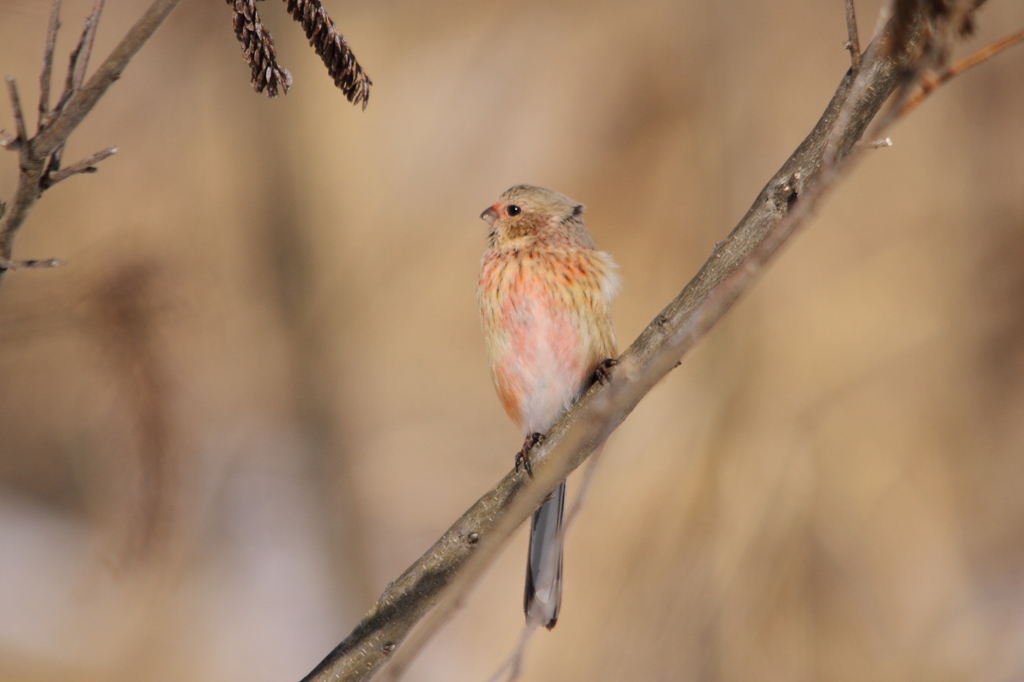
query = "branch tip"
x=930 y=82
x=47 y=71
x=19 y=117
x=6 y=264
x=86 y=165
x=8 y=141
x=85 y=44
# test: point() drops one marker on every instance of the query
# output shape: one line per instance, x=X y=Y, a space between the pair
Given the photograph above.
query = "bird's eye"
x=513 y=210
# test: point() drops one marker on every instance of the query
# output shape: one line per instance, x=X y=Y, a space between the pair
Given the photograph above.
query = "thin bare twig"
x=513 y=665
x=944 y=22
x=930 y=84
x=19 y=117
x=78 y=64
x=896 y=33
x=853 y=41
x=30 y=264
x=78 y=61
x=109 y=71
x=86 y=165
x=88 y=38
x=45 y=75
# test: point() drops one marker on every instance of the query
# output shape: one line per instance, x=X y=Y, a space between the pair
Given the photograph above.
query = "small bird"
x=545 y=296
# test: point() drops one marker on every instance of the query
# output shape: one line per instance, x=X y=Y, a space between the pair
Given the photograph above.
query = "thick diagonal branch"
x=439 y=579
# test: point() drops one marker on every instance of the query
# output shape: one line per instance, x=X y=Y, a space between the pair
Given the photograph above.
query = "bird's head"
x=526 y=215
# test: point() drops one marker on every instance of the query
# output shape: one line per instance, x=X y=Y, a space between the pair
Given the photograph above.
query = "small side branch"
x=86 y=165
x=853 y=40
x=78 y=64
x=30 y=264
x=930 y=84
x=875 y=144
x=79 y=106
x=45 y=75
x=84 y=50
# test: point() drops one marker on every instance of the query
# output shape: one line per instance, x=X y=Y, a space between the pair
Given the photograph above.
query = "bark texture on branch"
x=438 y=580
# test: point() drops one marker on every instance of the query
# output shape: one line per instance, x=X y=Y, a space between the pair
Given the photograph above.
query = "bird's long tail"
x=544 y=563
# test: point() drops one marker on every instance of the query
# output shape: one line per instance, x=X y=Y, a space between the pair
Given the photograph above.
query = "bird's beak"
x=489 y=216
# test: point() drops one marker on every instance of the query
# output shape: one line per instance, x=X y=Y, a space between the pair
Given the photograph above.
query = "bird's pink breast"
x=538 y=355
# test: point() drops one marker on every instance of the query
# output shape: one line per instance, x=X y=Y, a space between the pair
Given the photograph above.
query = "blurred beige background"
x=258 y=390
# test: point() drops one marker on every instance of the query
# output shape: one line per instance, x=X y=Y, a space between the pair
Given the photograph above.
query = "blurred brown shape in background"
x=127 y=323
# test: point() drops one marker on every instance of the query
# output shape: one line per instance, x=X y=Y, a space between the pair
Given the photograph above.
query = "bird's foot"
x=523 y=456
x=603 y=372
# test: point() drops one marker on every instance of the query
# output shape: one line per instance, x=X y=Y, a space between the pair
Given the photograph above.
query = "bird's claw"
x=603 y=371
x=523 y=456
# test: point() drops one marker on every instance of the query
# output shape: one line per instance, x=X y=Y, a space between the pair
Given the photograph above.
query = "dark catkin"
x=333 y=49
x=258 y=49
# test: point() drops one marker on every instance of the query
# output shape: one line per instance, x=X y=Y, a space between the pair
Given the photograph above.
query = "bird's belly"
x=544 y=366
